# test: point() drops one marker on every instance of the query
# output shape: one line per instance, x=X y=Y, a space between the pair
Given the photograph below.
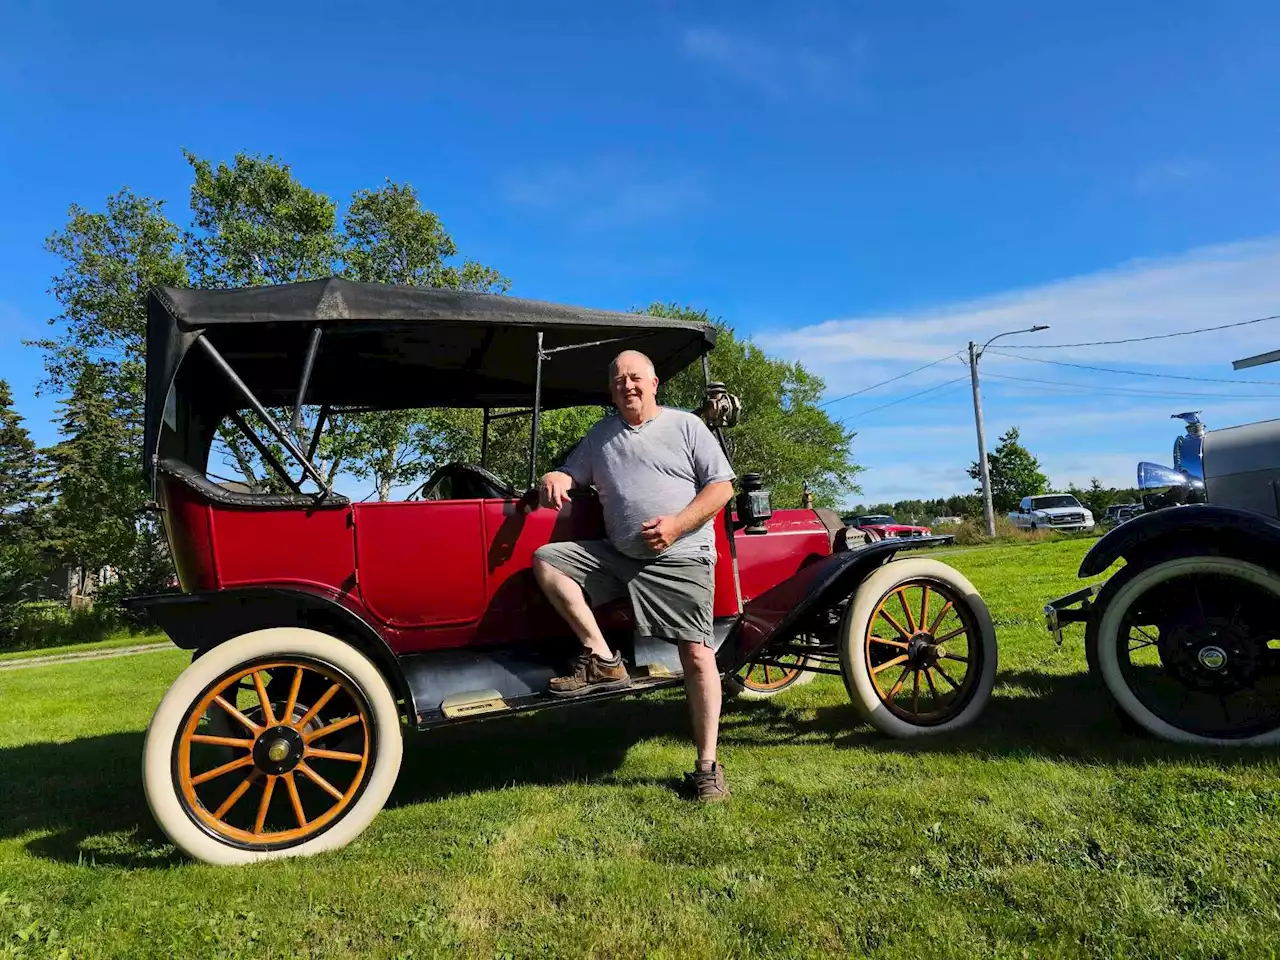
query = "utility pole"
x=984 y=469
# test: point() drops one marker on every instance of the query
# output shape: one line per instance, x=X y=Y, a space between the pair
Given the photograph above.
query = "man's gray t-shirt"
x=649 y=471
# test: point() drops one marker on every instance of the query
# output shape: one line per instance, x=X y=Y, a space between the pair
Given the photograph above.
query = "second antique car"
x=882 y=525
x=1186 y=636
x=320 y=627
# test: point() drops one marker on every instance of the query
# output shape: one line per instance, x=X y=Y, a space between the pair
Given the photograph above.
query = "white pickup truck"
x=1052 y=511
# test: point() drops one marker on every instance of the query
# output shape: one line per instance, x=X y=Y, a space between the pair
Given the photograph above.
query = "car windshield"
x=1044 y=503
x=876 y=518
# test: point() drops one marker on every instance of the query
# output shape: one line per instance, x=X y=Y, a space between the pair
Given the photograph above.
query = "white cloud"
x=922 y=447
x=778 y=67
x=605 y=193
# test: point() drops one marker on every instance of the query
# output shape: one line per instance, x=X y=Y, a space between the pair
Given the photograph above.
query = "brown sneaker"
x=707 y=783
x=591 y=674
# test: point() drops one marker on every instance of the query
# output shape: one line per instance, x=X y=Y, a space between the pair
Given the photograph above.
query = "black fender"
x=198 y=621
x=1188 y=529
x=779 y=612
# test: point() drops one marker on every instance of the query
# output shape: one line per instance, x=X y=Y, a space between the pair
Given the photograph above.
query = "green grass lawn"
x=1045 y=830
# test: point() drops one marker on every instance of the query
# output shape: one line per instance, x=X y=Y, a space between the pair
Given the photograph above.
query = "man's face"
x=634 y=386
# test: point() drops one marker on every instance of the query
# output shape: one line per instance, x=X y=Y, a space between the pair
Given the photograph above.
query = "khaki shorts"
x=672 y=597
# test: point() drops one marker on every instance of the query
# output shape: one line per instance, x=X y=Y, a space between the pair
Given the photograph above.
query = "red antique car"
x=319 y=626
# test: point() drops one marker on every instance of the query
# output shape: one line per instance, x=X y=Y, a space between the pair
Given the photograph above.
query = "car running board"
x=483 y=704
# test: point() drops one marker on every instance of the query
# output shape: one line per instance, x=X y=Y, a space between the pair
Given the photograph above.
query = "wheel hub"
x=1215 y=655
x=278 y=750
x=923 y=651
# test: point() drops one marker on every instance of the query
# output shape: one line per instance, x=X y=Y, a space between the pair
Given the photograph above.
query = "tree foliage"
x=1015 y=473
x=783 y=435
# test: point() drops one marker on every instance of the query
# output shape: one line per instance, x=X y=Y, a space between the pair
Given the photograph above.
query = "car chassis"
x=317 y=625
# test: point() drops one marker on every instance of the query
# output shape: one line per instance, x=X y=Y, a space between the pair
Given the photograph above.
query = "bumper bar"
x=1059 y=612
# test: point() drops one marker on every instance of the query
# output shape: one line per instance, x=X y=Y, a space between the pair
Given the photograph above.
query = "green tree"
x=1097 y=498
x=96 y=360
x=783 y=435
x=1015 y=473
x=23 y=559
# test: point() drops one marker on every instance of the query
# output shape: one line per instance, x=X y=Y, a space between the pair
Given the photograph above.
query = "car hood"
x=892 y=527
x=1058 y=511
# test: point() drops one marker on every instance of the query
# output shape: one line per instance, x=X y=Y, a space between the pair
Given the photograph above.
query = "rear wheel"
x=282 y=742
x=1189 y=649
x=918 y=649
x=759 y=681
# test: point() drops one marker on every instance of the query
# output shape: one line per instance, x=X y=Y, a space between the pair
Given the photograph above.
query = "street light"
x=975 y=354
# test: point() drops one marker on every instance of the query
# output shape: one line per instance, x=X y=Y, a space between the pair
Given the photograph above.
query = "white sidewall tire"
x=853 y=630
x=157 y=777
x=1109 y=660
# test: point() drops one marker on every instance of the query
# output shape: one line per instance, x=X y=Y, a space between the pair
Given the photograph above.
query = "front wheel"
x=918 y=649
x=1189 y=649
x=278 y=743
x=759 y=681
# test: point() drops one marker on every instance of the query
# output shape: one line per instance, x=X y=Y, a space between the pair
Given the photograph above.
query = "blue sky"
x=861 y=186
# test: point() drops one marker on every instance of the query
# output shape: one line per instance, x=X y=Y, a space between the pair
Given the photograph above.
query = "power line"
x=1157 y=336
x=1123 y=392
x=890 y=380
x=1135 y=373
x=894 y=403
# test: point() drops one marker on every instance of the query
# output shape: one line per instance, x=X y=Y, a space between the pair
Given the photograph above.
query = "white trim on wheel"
x=1109 y=624
x=157 y=763
x=857 y=679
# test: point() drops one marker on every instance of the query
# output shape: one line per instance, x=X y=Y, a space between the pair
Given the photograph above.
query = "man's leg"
x=702 y=689
x=571 y=603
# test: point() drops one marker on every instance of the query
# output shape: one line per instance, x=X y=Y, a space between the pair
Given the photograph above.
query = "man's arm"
x=661 y=532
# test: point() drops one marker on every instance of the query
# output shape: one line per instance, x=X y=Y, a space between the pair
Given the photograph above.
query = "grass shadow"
x=1031 y=714
x=85 y=799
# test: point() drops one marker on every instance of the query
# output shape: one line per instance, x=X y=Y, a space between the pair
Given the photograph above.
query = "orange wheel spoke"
x=888 y=643
x=952 y=635
x=294 y=799
x=331 y=728
x=924 y=606
x=235 y=795
x=320 y=781
x=902 y=631
x=902 y=678
x=955 y=656
x=245 y=721
x=268 y=717
x=943 y=674
x=293 y=697
x=318 y=705
x=937 y=621
x=240 y=764
x=915 y=693
x=221 y=741
x=332 y=755
x=906 y=608
x=890 y=663
x=260 y=824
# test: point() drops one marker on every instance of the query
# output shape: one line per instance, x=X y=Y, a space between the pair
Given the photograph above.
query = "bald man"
x=662 y=478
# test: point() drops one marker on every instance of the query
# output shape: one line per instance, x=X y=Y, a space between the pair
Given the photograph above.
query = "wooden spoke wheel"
x=1189 y=649
x=277 y=743
x=918 y=649
x=759 y=681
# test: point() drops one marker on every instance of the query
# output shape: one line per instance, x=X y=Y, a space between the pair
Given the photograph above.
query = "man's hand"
x=660 y=533
x=554 y=489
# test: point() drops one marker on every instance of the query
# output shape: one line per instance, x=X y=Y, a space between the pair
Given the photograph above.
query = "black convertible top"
x=393 y=347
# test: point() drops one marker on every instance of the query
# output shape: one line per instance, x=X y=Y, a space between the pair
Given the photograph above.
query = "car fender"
x=779 y=611
x=1183 y=529
x=200 y=620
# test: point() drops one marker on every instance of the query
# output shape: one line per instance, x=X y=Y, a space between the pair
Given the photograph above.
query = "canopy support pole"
x=537 y=414
x=315 y=434
x=284 y=438
x=313 y=347
x=706 y=371
x=484 y=441
x=263 y=450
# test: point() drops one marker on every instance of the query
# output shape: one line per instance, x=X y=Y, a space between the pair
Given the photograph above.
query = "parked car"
x=1186 y=636
x=1118 y=513
x=1052 y=511
x=319 y=626
x=885 y=526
